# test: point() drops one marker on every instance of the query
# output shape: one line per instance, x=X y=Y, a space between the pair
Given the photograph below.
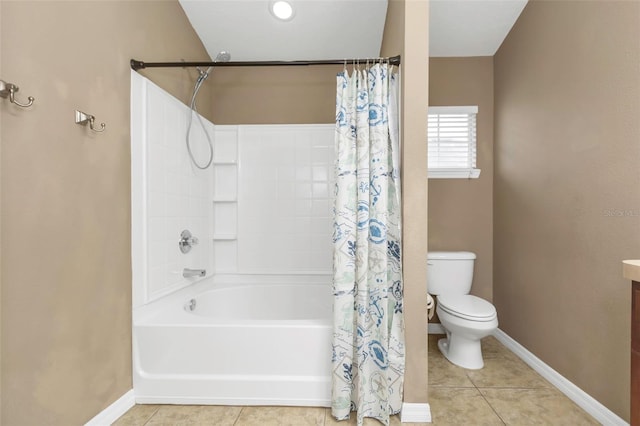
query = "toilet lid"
x=467 y=306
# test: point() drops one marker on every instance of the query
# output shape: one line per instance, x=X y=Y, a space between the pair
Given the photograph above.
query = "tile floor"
x=505 y=392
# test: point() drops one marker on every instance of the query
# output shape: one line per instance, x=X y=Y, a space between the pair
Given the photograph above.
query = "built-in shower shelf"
x=224 y=163
x=225 y=237
x=225 y=200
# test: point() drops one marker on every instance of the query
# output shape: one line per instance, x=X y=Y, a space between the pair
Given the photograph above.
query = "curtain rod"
x=136 y=65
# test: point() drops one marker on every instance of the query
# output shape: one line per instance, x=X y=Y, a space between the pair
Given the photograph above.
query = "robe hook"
x=84 y=118
x=10 y=89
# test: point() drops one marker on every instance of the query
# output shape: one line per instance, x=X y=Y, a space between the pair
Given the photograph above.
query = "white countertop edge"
x=631 y=269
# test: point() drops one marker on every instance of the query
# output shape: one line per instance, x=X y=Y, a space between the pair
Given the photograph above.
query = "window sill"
x=454 y=173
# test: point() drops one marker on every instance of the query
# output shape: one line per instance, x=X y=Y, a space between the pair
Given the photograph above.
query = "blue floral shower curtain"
x=368 y=330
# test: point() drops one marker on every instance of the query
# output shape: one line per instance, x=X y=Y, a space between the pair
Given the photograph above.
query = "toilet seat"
x=467 y=307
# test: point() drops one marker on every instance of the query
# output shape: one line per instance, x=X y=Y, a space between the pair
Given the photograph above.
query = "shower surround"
x=257 y=329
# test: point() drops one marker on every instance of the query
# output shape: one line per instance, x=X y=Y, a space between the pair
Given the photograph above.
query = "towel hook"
x=84 y=118
x=10 y=89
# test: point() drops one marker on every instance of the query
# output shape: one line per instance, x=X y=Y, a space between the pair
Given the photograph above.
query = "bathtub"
x=235 y=342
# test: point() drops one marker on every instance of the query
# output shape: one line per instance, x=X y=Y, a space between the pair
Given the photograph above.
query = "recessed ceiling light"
x=281 y=9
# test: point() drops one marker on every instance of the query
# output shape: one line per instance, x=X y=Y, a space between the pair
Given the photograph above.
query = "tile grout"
x=151 y=416
x=235 y=422
x=485 y=399
x=491 y=406
x=514 y=387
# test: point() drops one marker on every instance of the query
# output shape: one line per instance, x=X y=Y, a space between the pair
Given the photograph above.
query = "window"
x=452 y=142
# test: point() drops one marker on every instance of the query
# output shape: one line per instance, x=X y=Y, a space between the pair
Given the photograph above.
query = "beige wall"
x=567 y=106
x=1 y=114
x=66 y=270
x=275 y=95
x=461 y=210
x=407 y=32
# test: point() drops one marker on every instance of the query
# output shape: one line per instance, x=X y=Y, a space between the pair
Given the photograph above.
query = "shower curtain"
x=368 y=331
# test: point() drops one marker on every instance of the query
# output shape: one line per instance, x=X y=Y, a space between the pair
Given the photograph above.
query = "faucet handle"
x=187 y=241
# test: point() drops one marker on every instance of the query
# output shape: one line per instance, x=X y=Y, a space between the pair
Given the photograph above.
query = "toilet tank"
x=450 y=272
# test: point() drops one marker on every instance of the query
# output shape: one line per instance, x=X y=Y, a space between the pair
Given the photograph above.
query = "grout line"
x=514 y=388
x=470 y=380
x=151 y=416
x=235 y=422
x=485 y=399
x=452 y=387
x=491 y=406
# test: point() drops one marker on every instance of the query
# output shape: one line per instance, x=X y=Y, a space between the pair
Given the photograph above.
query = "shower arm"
x=137 y=65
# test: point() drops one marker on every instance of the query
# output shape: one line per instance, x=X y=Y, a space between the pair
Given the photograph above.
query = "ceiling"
x=470 y=27
x=320 y=29
x=337 y=29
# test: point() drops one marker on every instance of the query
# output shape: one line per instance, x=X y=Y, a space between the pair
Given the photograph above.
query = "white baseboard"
x=114 y=411
x=435 y=328
x=415 y=413
x=585 y=401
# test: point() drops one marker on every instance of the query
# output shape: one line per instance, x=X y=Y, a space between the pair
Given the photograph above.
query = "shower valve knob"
x=187 y=241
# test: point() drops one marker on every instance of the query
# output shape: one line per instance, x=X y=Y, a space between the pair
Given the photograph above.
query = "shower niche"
x=225 y=199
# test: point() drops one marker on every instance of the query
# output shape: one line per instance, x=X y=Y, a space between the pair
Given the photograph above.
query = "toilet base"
x=462 y=352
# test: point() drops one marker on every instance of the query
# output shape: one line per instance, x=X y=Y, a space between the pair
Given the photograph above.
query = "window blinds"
x=452 y=138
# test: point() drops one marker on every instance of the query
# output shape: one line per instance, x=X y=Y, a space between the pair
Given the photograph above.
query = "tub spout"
x=186 y=272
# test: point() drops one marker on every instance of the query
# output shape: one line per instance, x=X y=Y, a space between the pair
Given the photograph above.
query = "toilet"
x=465 y=318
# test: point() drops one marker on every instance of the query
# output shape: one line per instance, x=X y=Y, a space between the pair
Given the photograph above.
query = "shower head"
x=223 y=56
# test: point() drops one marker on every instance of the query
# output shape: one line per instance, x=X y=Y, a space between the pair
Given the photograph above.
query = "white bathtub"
x=266 y=343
